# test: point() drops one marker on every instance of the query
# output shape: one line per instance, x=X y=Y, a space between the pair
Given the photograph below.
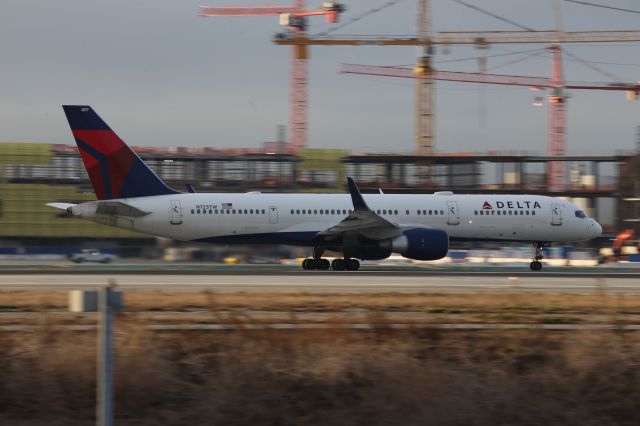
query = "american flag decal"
x=487 y=206
x=227 y=205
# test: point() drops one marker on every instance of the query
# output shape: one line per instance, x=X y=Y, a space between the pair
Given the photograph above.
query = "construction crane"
x=484 y=39
x=556 y=97
x=294 y=18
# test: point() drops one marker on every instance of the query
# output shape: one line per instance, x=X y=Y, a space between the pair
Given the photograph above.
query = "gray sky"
x=161 y=76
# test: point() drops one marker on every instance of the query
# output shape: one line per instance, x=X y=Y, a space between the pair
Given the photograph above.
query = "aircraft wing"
x=362 y=221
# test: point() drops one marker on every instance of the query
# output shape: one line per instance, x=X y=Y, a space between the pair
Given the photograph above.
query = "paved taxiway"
x=331 y=282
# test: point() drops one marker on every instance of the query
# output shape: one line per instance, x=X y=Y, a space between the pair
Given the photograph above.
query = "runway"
x=328 y=282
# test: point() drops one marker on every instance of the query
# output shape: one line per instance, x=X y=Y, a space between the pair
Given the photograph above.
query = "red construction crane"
x=556 y=98
x=294 y=18
x=483 y=39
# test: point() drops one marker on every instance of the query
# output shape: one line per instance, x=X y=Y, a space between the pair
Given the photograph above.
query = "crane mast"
x=424 y=83
x=293 y=17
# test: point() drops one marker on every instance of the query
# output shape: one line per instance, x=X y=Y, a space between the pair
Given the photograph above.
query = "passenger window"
x=333 y=211
x=215 y=211
x=315 y=211
x=407 y=212
x=192 y=211
x=515 y=212
x=297 y=211
x=321 y=211
x=239 y=211
x=378 y=211
x=245 y=211
x=395 y=212
x=326 y=211
x=210 y=211
x=198 y=211
x=233 y=211
x=430 y=212
x=533 y=213
x=384 y=211
x=527 y=212
x=418 y=212
x=493 y=212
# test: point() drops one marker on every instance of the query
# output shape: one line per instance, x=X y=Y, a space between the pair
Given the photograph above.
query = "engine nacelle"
x=422 y=244
x=364 y=249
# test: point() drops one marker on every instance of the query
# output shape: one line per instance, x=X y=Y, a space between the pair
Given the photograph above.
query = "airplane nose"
x=594 y=229
x=597 y=229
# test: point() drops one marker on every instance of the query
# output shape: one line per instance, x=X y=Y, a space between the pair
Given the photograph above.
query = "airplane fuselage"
x=297 y=218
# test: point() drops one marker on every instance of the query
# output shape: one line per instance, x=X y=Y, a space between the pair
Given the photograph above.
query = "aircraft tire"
x=338 y=264
x=308 y=264
x=353 y=264
x=535 y=265
x=323 y=264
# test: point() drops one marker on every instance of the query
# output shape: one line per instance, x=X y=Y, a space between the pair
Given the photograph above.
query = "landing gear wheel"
x=536 y=265
x=323 y=264
x=352 y=264
x=309 y=264
x=338 y=264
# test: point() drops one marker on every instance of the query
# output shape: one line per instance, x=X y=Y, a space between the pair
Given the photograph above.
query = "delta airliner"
x=361 y=227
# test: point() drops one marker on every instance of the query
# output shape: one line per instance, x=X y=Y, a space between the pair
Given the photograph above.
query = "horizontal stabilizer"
x=61 y=206
x=118 y=208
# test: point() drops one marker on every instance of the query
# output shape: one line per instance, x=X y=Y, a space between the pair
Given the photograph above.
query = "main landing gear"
x=536 y=265
x=348 y=264
x=317 y=262
x=338 y=264
x=322 y=264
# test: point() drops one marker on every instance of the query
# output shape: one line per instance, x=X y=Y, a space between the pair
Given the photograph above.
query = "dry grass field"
x=334 y=376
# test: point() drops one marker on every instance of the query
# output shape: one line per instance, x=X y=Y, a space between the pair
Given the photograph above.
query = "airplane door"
x=176 y=212
x=556 y=215
x=273 y=214
x=454 y=217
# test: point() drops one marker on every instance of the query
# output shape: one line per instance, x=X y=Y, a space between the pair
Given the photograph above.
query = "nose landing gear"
x=535 y=264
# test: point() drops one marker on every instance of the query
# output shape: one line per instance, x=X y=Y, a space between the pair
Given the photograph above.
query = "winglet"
x=356 y=196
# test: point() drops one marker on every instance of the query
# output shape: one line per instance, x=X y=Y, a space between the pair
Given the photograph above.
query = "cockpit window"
x=580 y=214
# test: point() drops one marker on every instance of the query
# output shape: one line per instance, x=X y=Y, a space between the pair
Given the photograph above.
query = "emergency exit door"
x=273 y=214
x=556 y=215
x=176 y=212
x=453 y=217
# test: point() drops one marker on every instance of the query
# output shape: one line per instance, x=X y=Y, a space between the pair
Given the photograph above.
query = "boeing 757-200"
x=365 y=227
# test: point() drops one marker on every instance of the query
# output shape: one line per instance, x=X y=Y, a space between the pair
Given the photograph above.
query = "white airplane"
x=365 y=227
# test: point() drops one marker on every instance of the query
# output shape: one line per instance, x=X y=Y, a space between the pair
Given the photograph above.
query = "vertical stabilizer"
x=114 y=169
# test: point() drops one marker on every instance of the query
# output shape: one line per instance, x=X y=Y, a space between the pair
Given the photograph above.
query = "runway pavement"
x=331 y=282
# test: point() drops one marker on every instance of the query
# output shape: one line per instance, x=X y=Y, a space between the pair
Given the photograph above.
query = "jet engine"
x=421 y=244
x=414 y=243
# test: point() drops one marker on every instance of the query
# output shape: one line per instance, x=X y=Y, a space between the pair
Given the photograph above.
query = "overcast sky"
x=161 y=76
